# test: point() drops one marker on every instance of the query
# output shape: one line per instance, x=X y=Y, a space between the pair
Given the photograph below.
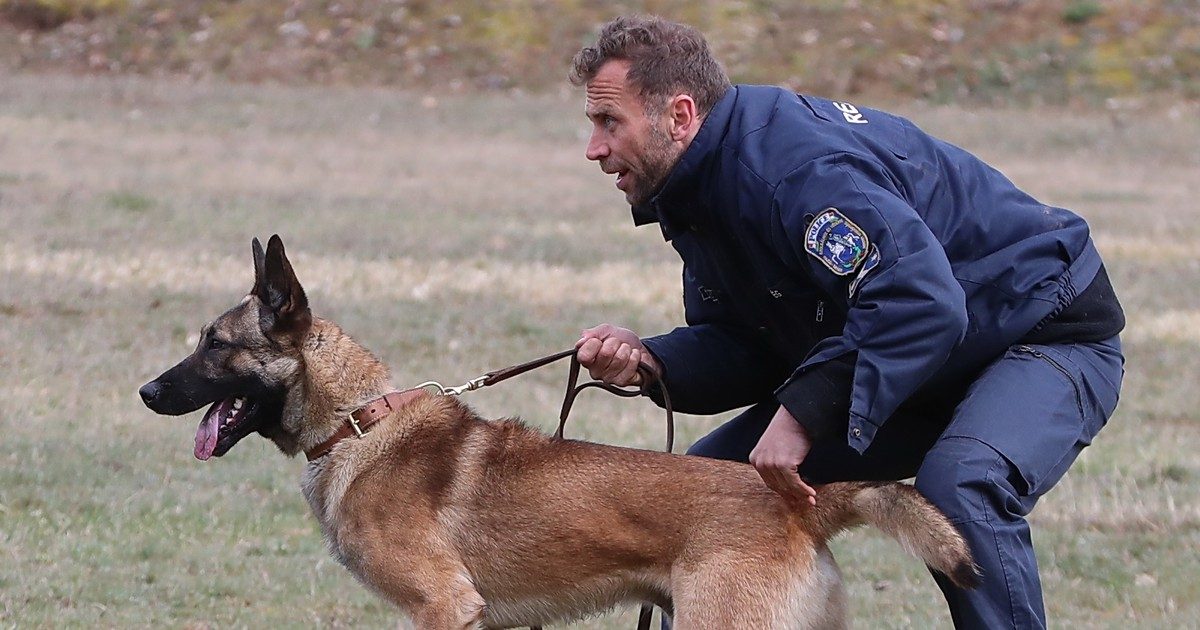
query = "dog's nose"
x=150 y=391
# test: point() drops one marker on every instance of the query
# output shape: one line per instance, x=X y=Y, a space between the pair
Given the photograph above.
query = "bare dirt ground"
x=454 y=236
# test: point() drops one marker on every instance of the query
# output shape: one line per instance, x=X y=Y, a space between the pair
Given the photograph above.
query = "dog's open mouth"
x=225 y=422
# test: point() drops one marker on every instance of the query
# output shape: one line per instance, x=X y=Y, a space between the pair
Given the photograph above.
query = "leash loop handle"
x=649 y=378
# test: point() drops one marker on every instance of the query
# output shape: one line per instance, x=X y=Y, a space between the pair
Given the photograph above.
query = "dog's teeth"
x=237 y=404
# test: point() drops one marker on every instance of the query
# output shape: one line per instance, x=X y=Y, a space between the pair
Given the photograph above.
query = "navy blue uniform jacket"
x=815 y=234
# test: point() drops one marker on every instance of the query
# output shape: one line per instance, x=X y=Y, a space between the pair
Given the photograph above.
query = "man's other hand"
x=778 y=455
x=612 y=354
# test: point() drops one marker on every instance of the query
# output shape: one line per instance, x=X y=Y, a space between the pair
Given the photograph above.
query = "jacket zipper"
x=820 y=311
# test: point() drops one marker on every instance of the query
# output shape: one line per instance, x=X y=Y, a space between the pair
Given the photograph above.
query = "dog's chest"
x=326 y=485
x=324 y=494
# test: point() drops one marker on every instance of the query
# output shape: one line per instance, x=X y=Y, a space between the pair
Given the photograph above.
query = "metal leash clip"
x=469 y=386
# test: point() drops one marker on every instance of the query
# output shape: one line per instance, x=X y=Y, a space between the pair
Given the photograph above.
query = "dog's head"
x=246 y=362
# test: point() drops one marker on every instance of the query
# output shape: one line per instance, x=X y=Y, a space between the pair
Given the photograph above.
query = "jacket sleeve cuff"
x=655 y=391
x=819 y=399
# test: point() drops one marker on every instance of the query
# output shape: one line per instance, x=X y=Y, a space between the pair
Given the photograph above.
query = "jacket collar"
x=686 y=187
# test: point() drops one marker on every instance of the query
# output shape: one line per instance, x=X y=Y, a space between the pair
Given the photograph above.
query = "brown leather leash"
x=649 y=378
x=381 y=407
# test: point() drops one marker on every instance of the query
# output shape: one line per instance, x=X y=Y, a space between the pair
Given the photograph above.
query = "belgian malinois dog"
x=467 y=523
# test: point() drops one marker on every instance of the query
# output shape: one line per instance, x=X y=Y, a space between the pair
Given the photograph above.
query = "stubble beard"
x=660 y=159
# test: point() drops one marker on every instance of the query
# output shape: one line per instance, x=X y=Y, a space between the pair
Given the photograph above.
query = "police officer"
x=885 y=303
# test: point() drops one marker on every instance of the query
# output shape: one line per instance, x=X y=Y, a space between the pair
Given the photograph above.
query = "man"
x=887 y=304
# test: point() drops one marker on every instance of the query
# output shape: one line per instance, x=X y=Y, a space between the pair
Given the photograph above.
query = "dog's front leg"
x=436 y=593
x=450 y=614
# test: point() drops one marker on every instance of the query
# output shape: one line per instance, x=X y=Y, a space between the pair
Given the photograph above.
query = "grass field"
x=452 y=237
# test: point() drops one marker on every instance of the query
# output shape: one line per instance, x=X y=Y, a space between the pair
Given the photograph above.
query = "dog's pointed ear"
x=260 y=270
x=281 y=292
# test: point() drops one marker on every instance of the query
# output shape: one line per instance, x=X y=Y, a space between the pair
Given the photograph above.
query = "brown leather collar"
x=364 y=418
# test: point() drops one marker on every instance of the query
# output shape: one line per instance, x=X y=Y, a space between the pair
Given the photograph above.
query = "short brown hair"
x=665 y=58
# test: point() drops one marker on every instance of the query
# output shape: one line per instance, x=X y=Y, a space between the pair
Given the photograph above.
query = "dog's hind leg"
x=715 y=596
x=744 y=593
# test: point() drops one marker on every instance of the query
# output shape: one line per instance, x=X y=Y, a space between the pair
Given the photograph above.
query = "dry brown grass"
x=454 y=237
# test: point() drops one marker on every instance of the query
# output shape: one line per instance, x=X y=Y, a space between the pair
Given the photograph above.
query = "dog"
x=464 y=522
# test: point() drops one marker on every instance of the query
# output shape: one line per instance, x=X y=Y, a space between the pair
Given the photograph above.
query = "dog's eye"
x=215 y=344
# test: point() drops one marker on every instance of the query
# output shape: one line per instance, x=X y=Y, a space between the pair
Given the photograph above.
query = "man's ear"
x=280 y=291
x=684 y=118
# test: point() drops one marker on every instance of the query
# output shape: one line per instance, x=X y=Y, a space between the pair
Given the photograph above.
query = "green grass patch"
x=128 y=201
x=1082 y=11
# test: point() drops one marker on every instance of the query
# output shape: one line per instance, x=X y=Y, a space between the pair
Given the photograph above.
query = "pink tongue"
x=206 y=433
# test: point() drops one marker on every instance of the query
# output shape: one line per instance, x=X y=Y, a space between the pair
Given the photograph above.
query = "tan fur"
x=469 y=523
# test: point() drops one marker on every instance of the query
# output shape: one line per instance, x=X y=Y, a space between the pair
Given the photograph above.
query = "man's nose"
x=597 y=149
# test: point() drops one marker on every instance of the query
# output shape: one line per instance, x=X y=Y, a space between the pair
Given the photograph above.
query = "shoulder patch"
x=836 y=241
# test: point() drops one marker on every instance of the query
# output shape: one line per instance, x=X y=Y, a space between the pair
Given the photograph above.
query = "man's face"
x=626 y=139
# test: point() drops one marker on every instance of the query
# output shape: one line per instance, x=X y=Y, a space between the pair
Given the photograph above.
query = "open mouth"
x=225 y=422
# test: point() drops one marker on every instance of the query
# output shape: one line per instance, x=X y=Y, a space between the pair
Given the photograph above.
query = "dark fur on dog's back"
x=464 y=522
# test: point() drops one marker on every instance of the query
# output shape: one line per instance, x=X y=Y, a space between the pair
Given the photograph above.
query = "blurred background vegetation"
x=984 y=51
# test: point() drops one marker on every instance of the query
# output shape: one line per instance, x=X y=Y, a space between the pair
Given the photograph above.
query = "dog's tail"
x=900 y=512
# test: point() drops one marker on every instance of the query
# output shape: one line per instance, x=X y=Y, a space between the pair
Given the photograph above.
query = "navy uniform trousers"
x=984 y=460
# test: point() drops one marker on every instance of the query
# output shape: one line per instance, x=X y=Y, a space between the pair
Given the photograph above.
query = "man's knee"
x=969 y=480
x=736 y=438
x=719 y=445
x=707 y=446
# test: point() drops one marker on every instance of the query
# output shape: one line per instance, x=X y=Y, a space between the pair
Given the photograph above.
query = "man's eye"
x=609 y=121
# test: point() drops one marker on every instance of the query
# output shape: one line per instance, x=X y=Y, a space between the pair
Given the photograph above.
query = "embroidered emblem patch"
x=836 y=242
